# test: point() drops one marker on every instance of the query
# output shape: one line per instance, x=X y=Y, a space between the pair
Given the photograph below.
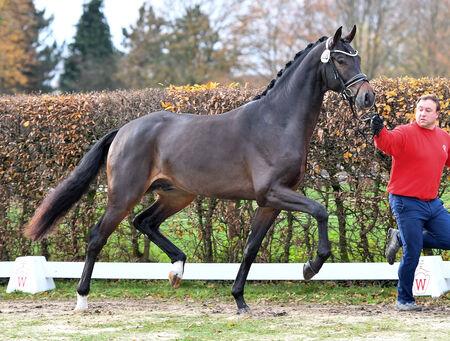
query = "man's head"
x=427 y=111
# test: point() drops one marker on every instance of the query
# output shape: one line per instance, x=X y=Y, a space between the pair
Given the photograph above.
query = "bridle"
x=345 y=92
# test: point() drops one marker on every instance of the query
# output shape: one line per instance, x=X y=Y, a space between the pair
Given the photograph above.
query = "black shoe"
x=407 y=306
x=392 y=245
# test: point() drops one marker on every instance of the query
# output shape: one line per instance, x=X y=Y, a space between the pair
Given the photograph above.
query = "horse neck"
x=296 y=99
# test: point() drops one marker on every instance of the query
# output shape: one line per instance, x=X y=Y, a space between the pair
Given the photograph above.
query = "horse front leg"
x=264 y=218
x=311 y=268
x=284 y=198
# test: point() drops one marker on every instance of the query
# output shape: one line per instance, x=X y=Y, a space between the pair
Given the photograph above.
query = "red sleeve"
x=391 y=141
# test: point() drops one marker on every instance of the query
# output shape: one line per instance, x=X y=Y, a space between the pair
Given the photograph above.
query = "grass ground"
x=326 y=292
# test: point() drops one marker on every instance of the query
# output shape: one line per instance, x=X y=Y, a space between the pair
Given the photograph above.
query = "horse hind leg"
x=148 y=222
x=123 y=195
x=97 y=239
x=128 y=174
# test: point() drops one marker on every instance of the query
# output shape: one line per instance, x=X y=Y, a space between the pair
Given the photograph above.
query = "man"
x=419 y=151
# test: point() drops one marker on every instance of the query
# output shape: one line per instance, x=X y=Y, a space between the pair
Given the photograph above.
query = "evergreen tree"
x=26 y=63
x=91 y=64
x=46 y=57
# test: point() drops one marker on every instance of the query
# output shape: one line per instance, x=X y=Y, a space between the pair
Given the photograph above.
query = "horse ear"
x=337 y=37
x=351 y=35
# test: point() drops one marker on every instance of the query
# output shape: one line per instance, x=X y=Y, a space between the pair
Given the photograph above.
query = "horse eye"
x=340 y=61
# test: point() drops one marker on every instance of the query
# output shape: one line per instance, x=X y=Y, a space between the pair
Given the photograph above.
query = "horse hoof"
x=80 y=311
x=308 y=271
x=243 y=310
x=82 y=304
x=174 y=280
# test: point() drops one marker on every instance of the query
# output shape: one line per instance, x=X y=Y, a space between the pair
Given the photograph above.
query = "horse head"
x=341 y=70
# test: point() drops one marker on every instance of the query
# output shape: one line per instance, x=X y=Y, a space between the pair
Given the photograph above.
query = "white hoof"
x=176 y=275
x=82 y=304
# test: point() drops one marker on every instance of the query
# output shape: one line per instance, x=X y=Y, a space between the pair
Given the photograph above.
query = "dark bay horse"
x=256 y=152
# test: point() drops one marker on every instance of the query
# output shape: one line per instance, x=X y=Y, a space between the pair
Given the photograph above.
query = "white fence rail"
x=35 y=274
x=222 y=271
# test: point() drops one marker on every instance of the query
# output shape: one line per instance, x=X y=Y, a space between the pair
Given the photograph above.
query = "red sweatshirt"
x=418 y=159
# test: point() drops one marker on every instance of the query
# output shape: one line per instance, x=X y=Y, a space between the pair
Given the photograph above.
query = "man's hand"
x=376 y=124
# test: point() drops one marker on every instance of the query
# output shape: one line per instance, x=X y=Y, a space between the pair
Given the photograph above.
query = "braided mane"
x=299 y=56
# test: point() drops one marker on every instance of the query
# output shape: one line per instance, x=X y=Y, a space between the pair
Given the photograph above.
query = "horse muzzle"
x=365 y=97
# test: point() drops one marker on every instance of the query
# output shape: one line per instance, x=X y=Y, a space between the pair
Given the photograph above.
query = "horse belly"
x=221 y=181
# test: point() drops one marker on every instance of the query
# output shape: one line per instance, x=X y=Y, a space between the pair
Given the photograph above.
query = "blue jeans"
x=422 y=224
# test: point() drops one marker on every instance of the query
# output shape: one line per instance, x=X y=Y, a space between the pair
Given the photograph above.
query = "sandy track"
x=262 y=308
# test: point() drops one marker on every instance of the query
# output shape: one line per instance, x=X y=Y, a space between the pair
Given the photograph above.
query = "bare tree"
x=381 y=29
x=175 y=49
x=257 y=37
x=426 y=49
x=268 y=33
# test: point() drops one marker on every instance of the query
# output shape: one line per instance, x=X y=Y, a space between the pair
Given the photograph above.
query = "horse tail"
x=67 y=193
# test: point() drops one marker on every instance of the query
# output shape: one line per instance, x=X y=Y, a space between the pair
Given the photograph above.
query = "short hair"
x=432 y=97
